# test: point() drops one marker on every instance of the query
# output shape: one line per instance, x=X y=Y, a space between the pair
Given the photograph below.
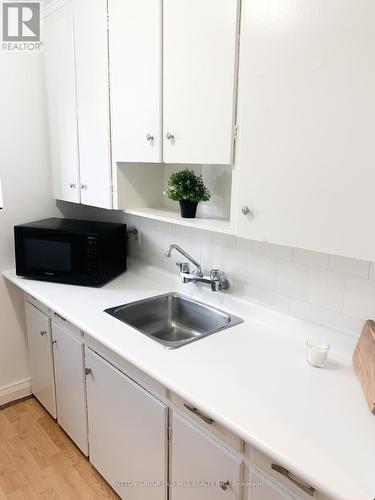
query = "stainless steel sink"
x=172 y=319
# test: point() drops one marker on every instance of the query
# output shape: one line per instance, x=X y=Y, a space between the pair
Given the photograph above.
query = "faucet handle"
x=215 y=274
x=219 y=281
x=184 y=267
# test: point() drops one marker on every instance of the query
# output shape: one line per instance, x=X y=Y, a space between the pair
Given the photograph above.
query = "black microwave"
x=70 y=251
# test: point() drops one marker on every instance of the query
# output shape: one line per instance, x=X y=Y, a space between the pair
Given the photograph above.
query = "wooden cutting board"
x=364 y=362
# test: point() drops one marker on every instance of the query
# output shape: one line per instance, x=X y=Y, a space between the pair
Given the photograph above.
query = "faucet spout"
x=216 y=279
x=191 y=259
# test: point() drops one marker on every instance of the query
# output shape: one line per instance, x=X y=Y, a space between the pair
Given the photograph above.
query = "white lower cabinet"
x=137 y=442
x=68 y=352
x=40 y=357
x=128 y=432
x=200 y=467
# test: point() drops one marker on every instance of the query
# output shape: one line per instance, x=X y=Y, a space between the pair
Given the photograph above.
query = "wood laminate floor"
x=38 y=460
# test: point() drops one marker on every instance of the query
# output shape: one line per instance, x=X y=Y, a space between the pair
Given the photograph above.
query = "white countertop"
x=252 y=378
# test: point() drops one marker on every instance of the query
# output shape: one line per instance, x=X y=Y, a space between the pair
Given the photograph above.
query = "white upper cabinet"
x=199 y=64
x=173 y=67
x=91 y=44
x=306 y=156
x=135 y=42
x=62 y=109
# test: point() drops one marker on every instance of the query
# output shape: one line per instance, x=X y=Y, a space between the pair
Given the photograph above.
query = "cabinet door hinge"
x=169 y=433
x=235 y=133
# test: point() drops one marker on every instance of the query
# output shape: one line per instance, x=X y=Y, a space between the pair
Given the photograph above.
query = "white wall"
x=26 y=183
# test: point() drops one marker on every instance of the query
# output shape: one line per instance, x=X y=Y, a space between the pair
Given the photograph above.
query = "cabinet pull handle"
x=204 y=417
x=58 y=316
x=72 y=185
x=150 y=138
x=170 y=137
x=284 y=472
x=43 y=332
x=83 y=186
x=54 y=342
x=224 y=485
x=88 y=371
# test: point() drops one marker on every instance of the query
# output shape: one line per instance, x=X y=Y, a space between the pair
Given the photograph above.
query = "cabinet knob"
x=170 y=137
x=88 y=371
x=43 y=332
x=83 y=186
x=224 y=485
x=245 y=210
x=150 y=138
x=72 y=185
x=54 y=342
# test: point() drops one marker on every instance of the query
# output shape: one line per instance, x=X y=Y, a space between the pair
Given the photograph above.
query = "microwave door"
x=55 y=257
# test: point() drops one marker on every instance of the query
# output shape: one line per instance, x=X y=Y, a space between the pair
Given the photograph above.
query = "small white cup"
x=317 y=354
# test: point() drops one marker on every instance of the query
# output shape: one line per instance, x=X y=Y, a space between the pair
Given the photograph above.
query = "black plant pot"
x=188 y=209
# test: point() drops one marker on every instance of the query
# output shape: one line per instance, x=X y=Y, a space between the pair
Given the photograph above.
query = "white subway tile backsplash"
x=277 y=251
x=291 y=280
x=251 y=246
x=261 y=271
x=326 y=289
x=244 y=290
x=345 y=265
x=273 y=300
x=336 y=292
x=310 y=259
x=360 y=298
x=326 y=317
x=234 y=262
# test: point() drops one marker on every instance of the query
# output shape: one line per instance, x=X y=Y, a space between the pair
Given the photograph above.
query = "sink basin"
x=172 y=319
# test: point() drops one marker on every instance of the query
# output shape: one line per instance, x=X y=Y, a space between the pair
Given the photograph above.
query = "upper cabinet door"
x=135 y=45
x=62 y=105
x=200 y=51
x=306 y=156
x=90 y=26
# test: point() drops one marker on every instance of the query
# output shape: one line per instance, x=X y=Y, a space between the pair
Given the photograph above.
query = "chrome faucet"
x=216 y=279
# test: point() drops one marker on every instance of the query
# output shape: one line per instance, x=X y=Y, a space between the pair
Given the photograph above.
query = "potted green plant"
x=188 y=189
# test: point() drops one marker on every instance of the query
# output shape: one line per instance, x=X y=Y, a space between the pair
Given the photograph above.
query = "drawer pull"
x=58 y=316
x=206 y=419
x=224 y=485
x=284 y=472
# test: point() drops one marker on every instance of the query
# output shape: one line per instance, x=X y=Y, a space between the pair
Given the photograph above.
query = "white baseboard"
x=15 y=391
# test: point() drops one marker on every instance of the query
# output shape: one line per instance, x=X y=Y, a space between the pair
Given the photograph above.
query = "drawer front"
x=65 y=324
x=206 y=422
x=263 y=489
x=32 y=300
x=296 y=486
x=200 y=467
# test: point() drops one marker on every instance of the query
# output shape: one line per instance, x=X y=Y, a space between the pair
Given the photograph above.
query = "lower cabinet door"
x=68 y=351
x=40 y=357
x=201 y=468
x=128 y=432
